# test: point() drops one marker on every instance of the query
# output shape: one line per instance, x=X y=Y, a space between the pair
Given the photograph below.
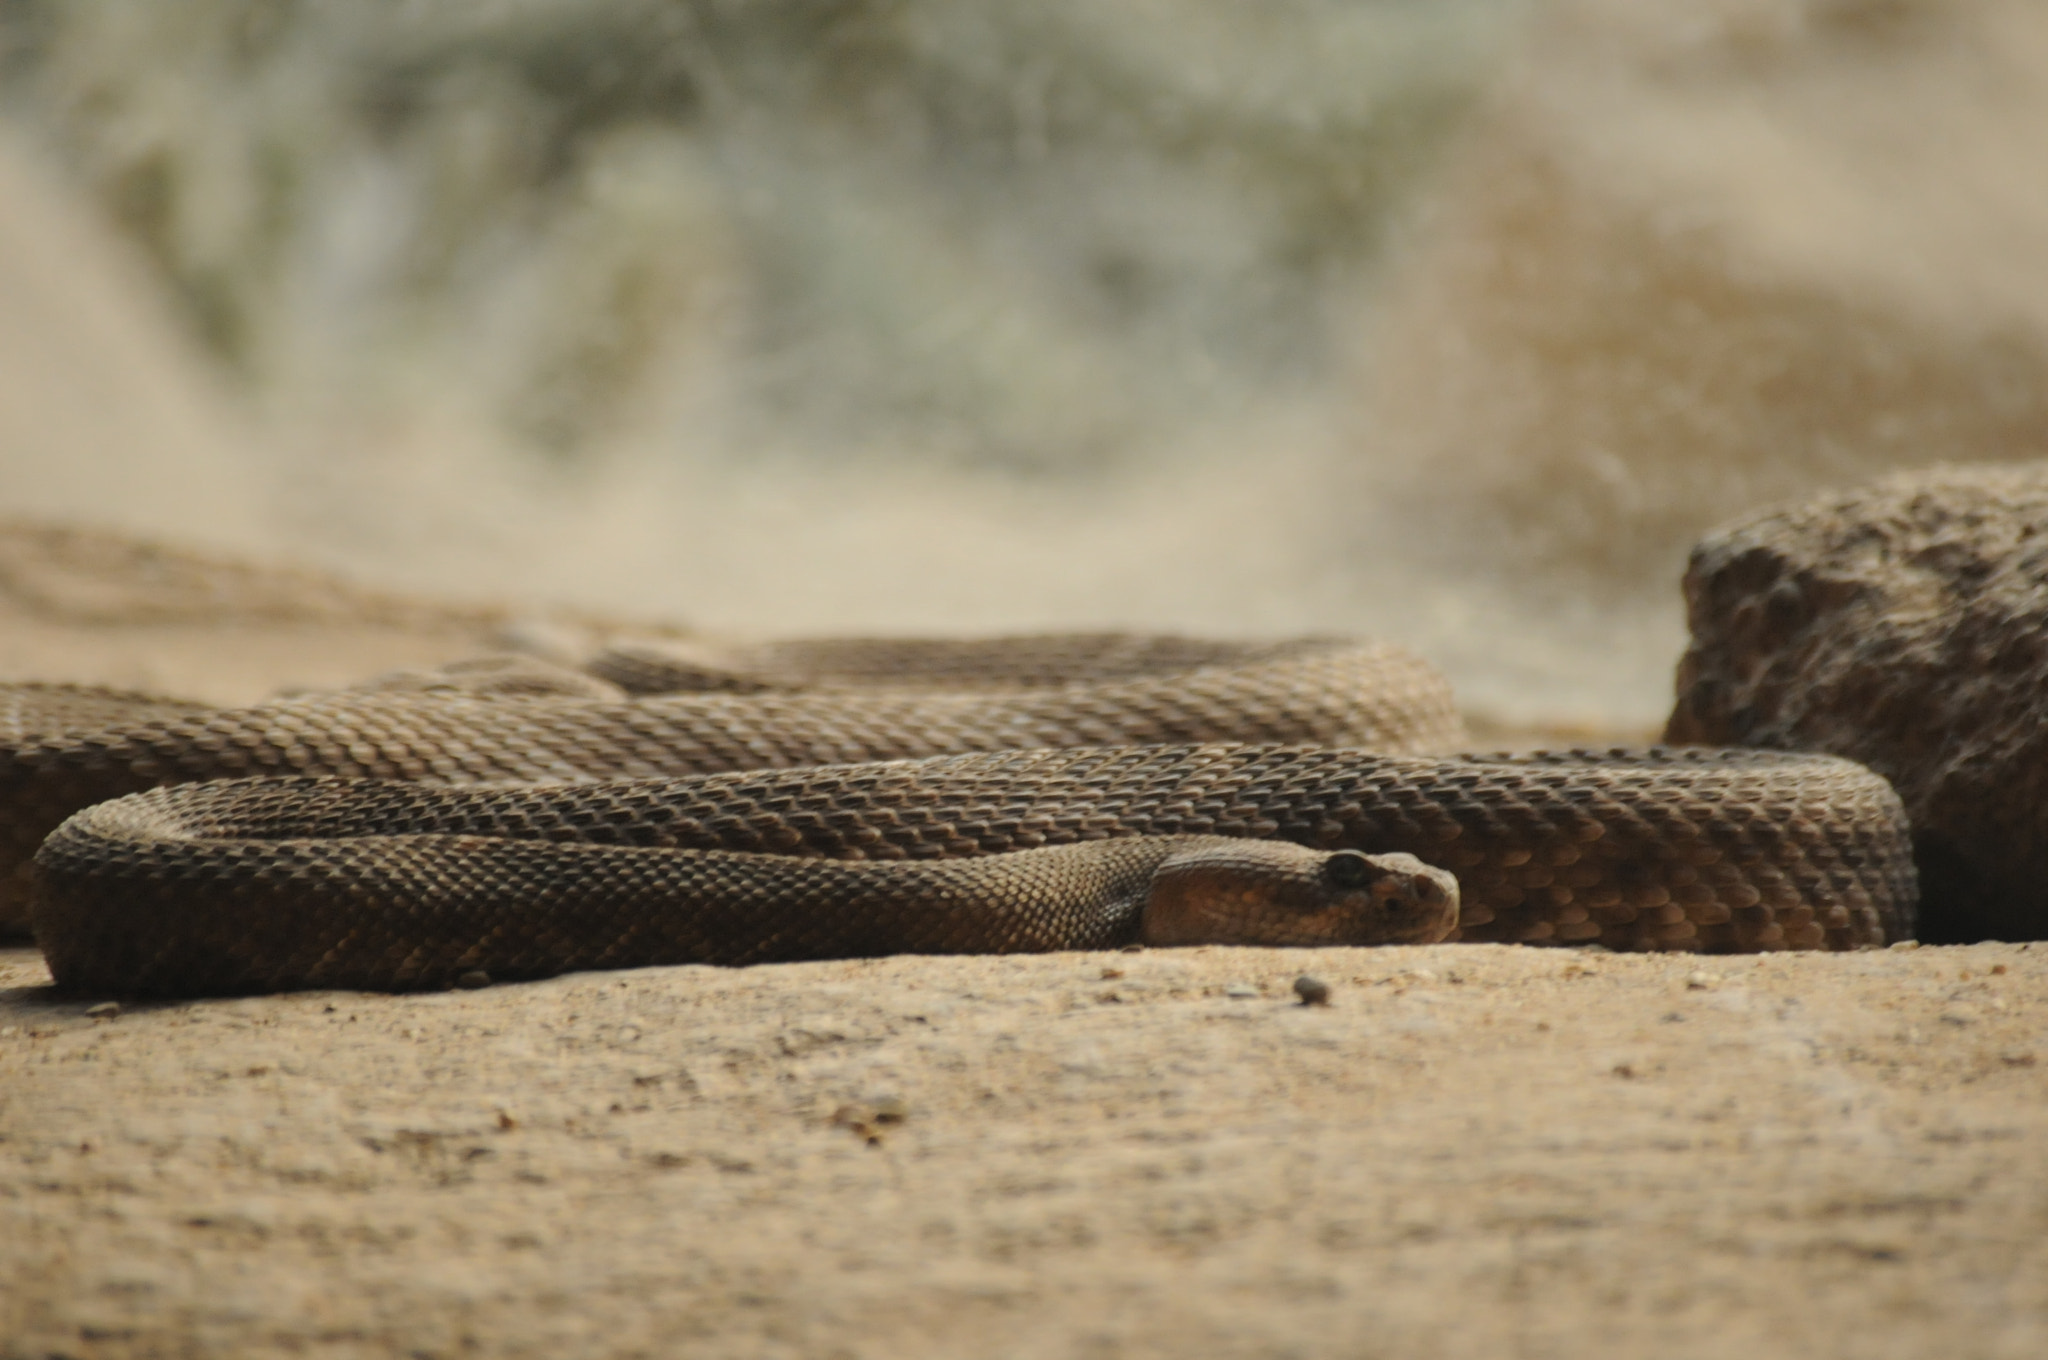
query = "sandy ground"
x=1472 y=1151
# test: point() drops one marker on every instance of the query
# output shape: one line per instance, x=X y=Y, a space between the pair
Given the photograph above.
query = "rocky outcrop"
x=1904 y=625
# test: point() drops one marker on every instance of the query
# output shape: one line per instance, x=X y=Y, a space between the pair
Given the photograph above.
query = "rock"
x=1313 y=991
x=1903 y=625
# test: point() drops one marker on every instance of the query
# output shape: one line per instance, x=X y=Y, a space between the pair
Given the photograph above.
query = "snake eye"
x=1347 y=869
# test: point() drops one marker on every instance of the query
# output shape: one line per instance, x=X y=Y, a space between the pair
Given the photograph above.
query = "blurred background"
x=1454 y=321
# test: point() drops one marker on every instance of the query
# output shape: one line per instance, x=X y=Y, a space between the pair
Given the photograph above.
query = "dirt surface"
x=1472 y=1150
x=104 y=607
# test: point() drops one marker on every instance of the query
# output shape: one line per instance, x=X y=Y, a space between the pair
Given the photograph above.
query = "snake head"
x=1274 y=893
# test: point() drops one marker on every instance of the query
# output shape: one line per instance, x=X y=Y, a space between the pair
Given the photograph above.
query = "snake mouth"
x=1275 y=894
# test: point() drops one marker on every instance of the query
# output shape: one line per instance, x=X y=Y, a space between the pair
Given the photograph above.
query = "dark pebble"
x=1313 y=991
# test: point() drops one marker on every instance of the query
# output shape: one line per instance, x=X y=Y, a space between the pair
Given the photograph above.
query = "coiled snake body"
x=736 y=826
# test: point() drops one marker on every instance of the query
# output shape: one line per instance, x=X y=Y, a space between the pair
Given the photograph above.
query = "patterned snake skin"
x=1660 y=849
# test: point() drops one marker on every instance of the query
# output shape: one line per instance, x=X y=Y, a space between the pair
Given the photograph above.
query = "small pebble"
x=105 y=1010
x=1698 y=981
x=1905 y=944
x=1241 y=991
x=869 y=1119
x=1313 y=991
x=473 y=979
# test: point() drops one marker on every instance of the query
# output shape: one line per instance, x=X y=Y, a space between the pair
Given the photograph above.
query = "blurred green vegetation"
x=1036 y=237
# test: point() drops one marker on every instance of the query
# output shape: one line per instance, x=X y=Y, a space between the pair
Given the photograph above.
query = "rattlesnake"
x=164 y=891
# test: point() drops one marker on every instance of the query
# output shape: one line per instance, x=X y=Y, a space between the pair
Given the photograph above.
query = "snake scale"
x=838 y=798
